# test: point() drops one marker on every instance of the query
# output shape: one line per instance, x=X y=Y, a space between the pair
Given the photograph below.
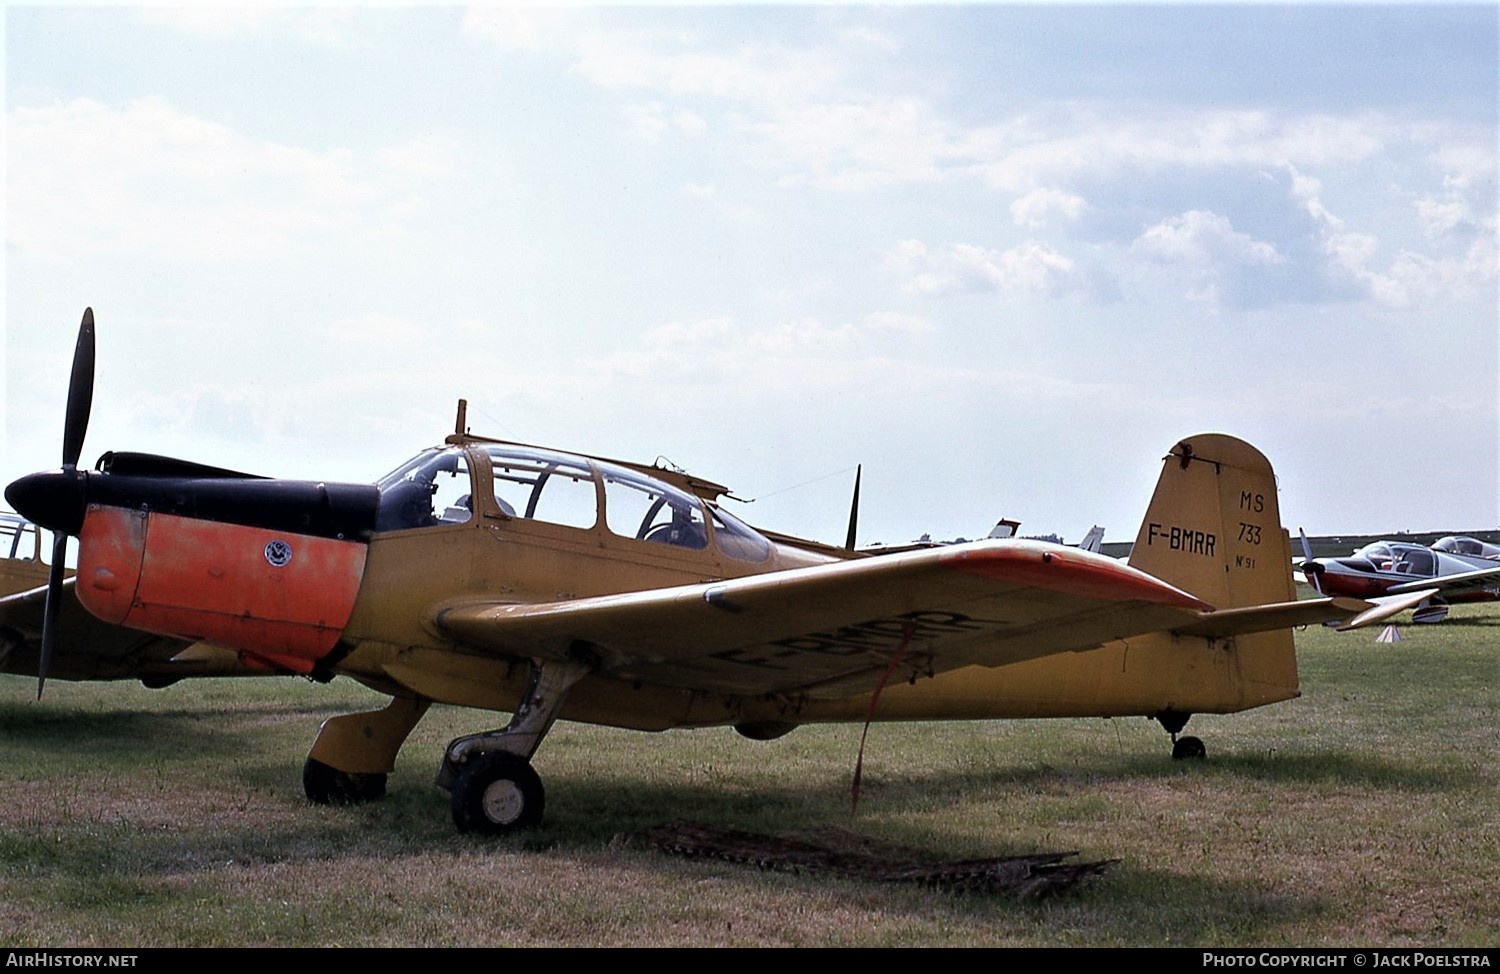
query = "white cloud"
x=1033 y=267
x=794 y=105
x=1202 y=241
x=213 y=20
x=1215 y=264
x=892 y=322
x=1412 y=277
x=145 y=179
x=859 y=145
x=807 y=335
x=537 y=28
x=871 y=38
x=653 y=120
x=1465 y=205
x=709 y=194
x=694 y=335
x=1442 y=217
x=1038 y=206
x=320 y=24
x=421 y=159
x=753 y=74
x=374 y=329
x=1099 y=140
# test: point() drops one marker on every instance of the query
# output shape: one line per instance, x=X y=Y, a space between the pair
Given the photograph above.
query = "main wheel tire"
x=496 y=794
x=1188 y=749
x=325 y=785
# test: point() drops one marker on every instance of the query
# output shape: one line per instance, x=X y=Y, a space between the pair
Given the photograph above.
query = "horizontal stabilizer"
x=1277 y=615
x=1386 y=606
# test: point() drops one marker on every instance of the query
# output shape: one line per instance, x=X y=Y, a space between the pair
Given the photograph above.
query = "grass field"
x=1364 y=813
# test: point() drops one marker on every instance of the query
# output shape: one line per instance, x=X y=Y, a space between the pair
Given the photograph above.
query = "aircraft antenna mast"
x=854 y=509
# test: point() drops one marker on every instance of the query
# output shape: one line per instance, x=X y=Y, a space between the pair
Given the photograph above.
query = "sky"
x=1004 y=257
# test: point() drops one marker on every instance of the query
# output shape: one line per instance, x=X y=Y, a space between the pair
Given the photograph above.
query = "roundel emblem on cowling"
x=278 y=553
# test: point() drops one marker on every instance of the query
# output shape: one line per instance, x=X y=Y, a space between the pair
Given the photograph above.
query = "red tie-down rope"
x=859 y=762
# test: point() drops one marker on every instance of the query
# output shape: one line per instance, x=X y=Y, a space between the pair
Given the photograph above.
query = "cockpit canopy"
x=440 y=487
x=1401 y=559
x=1463 y=545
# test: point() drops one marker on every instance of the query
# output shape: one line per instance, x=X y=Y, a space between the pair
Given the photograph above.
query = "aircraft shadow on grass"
x=146 y=866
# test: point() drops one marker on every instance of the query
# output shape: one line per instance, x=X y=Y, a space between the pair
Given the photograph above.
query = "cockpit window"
x=430 y=489
x=1378 y=555
x=544 y=486
x=737 y=539
x=1460 y=546
x=649 y=510
x=19 y=539
x=1403 y=559
x=1416 y=561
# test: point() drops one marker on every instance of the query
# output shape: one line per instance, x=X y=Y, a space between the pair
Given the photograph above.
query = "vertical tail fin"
x=1214 y=529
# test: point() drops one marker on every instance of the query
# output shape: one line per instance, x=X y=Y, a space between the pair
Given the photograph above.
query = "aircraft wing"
x=834 y=629
x=90 y=649
x=1450 y=584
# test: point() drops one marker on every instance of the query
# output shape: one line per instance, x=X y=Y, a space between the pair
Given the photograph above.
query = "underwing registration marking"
x=874 y=635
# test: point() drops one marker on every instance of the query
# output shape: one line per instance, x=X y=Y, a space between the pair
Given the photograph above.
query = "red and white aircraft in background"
x=1454 y=569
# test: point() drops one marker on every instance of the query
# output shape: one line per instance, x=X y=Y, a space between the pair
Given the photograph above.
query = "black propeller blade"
x=49 y=614
x=75 y=426
x=80 y=392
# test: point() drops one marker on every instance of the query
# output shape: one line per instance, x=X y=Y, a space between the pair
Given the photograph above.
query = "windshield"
x=430 y=489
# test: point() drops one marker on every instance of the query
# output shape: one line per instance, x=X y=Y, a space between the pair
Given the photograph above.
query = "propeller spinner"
x=56 y=499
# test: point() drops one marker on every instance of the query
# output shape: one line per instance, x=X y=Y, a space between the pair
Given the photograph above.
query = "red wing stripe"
x=1070 y=572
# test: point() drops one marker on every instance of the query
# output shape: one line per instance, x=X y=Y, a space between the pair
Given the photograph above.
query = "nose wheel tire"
x=325 y=785
x=1188 y=749
x=496 y=794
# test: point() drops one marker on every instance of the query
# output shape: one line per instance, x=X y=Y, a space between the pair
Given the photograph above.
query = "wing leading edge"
x=830 y=630
x=1452 y=584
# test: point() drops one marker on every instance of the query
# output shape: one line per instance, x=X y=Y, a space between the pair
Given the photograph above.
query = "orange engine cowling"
x=281 y=598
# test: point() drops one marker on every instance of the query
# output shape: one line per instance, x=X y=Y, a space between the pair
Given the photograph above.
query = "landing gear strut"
x=1183 y=748
x=493 y=788
x=354 y=753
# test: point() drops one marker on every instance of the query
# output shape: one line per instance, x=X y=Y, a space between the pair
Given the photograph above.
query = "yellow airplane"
x=549 y=585
x=21 y=564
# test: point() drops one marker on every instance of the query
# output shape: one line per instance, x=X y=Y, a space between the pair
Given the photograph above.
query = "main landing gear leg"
x=494 y=789
x=353 y=753
x=1183 y=748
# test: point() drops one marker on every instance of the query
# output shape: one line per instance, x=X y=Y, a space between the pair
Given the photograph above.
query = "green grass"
x=1364 y=813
